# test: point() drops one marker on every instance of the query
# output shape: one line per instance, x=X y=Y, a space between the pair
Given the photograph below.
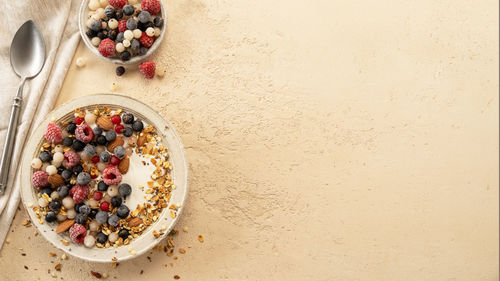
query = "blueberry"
x=89 y=150
x=101 y=238
x=81 y=218
x=97 y=131
x=110 y=135
x=66 y=174
x=83 y=178
x=71 y=128
x=109 y=12
x=112 y=34
x=63 y=190
x=143 y=51
x=124 y=189
x=95 y=25
x=119 y=37
x=46 y=190
x=135 y=44
x=125 y=56
x=55 y=205
x=138 y=126
x=50 y=217
x=120 y=71
x=128 y=132
x=119 y=14
x=102 y=35
x=122 y=211
x=78 y=145
x=45 y=156
x=148 y=25
x=60 y=170
x=128 y=118
x=85 y=209
x=116 y=201
x=102 y=186
x=91 y=34
x=128 y=10
x=77 y=169
x=119 y=152
x=144 y=16
x=77 y=207
x=104 y=156
x=113 y=220
x=123 y=233
x=101 y=140
x=93 y=213
x=158 y=22
x=101 y=217
x=131 y=24
x=67 y=141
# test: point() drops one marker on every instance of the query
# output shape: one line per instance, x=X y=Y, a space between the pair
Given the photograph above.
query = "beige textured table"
x=327 y=140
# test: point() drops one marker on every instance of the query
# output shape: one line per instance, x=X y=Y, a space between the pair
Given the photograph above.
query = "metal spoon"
x=27 y=56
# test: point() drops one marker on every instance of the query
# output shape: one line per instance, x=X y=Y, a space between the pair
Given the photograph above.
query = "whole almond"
x=134 y=222
x=117 y=142
x=56 y=180
x=141 y=140
x=65 y=225
x=105 y=122
x=124 y=164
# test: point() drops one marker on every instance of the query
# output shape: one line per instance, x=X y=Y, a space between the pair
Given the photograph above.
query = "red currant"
x=114 y=160
x=119 y=128
x=79 y=120
x=93 y=176
x=104 y=206
x=98 y=195
x=116 y=119
x=95 y=159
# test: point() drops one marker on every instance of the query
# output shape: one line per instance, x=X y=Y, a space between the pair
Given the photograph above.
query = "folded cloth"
x=57 y=21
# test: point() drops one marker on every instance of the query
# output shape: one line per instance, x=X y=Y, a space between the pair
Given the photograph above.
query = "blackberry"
x=101 y=238
x=128 y=118
x=124 y=189
x=46 y=190
x=50 y=217
x=97 y=131
x=128 y=132
x=128 y=10
x=71 y=128
x=110 y=135
x=66 y=174
x=116 y=201
x=122 y=211
x=125 y=56
x=109 y=12
x=158 y=22
x=67 y=141
x=81 y=219
x=63 y=190
x=123 y=233
x=93 y=213
x=101 y=140
x=120 y=71
x=90 y=33
x=102 y=186
x=78 y=145
x=138 y=126
x=55 y=205
x=45 y=156
x=77 y=169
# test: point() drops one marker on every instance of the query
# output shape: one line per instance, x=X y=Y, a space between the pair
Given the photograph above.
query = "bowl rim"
x=86 y=40
x=28 y=188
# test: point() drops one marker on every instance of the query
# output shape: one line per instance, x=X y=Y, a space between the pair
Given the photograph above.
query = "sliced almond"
x=56 y=180
x=117 y=142
x=65 y=225
x=105 y=122
x=124 y=164
x=134 y=222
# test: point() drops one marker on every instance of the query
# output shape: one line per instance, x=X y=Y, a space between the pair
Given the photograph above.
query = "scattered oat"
x=52 y=254
x=200 y=238
x=185 y=229
x=27 y=223
x=65 y=242
x=182 y=250
x=7 y=240
x=104 y=275
x=114 y=87
x=53 y=274
x=57 y=267
x=96 y=274
x=63 y=257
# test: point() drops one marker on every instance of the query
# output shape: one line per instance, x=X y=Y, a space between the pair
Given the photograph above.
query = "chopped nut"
x=52 y=254
x=177 y=277
x=57 y=267
x=200 y=238
x=96 y=274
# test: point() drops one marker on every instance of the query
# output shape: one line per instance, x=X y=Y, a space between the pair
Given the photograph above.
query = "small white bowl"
x=179 y=174
x=82 y=20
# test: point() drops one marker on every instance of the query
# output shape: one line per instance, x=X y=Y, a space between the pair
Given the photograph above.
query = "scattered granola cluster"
x=78 y=177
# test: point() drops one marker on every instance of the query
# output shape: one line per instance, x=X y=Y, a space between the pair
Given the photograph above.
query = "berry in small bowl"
x=122 y=31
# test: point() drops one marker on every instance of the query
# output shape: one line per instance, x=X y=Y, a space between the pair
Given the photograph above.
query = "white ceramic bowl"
x=82 y=20
x=179 y=174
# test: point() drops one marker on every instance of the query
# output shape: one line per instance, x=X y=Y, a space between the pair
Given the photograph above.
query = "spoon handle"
x=8 y=147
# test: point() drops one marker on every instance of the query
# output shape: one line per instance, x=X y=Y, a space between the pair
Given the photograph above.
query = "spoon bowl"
x=27 y=51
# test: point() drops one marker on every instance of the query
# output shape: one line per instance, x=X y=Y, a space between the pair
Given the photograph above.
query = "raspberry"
x=107 y=47
x=53 y=133
x=117 y=3
x=84 y=133
x=151 y=6
x=147 y=68
x=40 y=179
x=122 y=26
x=111 y=175
x=146 y=40
x=71 y=158
x=79 y=193
x=77 y=233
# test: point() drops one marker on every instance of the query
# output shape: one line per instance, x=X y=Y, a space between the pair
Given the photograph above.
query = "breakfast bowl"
x=155 y=199
x=136 y=48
